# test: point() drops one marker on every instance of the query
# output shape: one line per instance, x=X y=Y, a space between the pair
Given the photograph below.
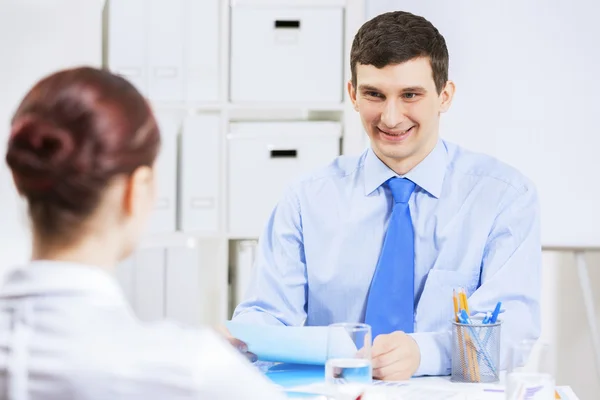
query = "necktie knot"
x=401 y=189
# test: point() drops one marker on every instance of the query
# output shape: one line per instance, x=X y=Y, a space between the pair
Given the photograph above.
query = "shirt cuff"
x=250 y=316
x=435 y=350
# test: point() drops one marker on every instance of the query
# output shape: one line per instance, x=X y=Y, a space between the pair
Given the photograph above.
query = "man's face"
x=400 y=110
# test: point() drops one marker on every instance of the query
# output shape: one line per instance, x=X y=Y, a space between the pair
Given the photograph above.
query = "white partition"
x=37 y=37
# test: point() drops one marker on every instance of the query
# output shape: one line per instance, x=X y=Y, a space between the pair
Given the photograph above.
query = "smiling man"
x=385 y=237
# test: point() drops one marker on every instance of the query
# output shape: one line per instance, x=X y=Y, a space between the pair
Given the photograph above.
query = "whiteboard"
x=528 y=93
x=37 y=37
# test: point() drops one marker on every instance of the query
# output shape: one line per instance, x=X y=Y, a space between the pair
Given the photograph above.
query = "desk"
x=292 y=375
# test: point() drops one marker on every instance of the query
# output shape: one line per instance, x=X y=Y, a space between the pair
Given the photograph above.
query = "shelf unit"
x=215 y=257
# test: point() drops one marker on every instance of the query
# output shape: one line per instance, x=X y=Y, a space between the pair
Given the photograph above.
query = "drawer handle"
x=165 y=72
x=284 y=153
x=130 y=72
x=287 y=24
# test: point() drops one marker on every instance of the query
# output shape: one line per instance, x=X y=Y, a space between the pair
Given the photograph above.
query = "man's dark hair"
x=396 y=37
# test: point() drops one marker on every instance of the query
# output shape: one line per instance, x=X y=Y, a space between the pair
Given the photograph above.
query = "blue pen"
x=495 y=313
x=492 y=320
x=464 y=317
x=486 y=319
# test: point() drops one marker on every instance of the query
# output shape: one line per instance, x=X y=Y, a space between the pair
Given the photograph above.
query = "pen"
x=486 y=319
x=495 y=313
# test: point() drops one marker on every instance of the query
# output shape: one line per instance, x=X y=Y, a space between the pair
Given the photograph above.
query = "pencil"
x=471 y=349
x=455 y=301
x=463 y=295
x=465 y=354
x=476 y=371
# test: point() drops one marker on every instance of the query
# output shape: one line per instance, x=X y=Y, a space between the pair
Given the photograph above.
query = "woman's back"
x=66 y=331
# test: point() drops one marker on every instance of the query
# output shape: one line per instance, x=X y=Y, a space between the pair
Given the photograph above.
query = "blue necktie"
x=390 y=303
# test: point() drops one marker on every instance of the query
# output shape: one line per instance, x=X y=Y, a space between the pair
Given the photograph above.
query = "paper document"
x=383 y=392
x=290 y=344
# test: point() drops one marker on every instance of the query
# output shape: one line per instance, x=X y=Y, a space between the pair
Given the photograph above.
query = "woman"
x=81 y=151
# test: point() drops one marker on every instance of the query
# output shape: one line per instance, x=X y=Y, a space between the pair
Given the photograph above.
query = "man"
x=386 y=237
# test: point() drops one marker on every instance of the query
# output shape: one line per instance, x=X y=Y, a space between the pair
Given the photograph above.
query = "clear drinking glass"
x=349 y=354
x=530 y=371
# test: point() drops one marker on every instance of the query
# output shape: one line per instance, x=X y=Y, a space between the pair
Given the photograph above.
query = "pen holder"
x=475 y=351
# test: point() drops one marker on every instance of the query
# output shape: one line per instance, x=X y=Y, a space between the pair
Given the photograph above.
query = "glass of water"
x=530 y=371
x=349 y=354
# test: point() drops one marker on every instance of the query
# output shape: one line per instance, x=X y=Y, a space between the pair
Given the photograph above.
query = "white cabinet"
x=168 y=48
x=199 y=168
x=127 y=41
x=263 y=158
x=163 y=218
x=218 y=73
x=149 y=284
x=169 y=281
x=185 y=286
x=286 y=54
x=201 y=51
x=243 y=262
x=165 y=49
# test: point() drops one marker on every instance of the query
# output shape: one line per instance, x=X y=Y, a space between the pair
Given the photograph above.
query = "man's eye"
x=409 y=96
x=374 y=94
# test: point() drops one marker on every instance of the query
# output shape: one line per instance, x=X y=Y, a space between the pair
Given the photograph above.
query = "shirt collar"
x=428 y=174
x=57 y=277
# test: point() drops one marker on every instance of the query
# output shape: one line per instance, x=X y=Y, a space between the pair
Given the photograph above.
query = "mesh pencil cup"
x=475 y=351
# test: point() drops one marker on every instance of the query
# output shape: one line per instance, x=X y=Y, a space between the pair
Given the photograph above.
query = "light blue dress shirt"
x=476 y=224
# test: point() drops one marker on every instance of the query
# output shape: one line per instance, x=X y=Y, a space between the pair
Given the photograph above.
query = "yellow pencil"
x=455 y=301
x=458 y=305
x=463 y=295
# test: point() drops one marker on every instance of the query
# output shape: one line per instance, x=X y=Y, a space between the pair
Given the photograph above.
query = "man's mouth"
x=397 y=135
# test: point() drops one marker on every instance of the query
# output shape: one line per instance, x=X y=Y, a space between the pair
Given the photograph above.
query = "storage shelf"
x=237 y=236
x=288 y=3
x=199 y=109
x=243 y=107
x=190 y=107
x=175 y=239
x=286 y=106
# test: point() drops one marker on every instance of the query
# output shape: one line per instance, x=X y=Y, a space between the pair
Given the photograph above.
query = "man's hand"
x=238 y=344
x=396 y=356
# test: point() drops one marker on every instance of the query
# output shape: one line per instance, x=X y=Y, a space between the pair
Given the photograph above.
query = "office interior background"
x=251 y=94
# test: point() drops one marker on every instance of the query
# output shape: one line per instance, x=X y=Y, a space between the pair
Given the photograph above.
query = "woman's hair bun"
x=38 y=153
x=72 y=134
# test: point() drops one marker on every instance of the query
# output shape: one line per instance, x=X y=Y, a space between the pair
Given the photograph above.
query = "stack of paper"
x=294 y=345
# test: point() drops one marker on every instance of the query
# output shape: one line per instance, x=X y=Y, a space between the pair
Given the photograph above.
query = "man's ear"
x=352 y=94
x=446 y=96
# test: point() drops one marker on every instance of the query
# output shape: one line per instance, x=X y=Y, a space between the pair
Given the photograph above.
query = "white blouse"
x=67 y=332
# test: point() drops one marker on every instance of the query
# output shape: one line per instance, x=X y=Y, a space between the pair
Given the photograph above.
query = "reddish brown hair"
x=71 y=135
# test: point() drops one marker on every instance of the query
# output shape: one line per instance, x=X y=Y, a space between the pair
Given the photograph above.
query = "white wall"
x=564 y=321
x=36 y=38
